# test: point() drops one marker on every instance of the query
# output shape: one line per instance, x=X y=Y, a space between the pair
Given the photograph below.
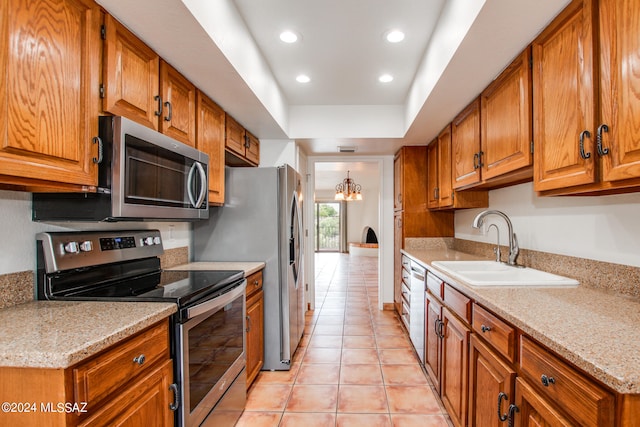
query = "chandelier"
x=348 y=190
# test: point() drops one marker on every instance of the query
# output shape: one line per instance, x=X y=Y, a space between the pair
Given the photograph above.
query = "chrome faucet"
x=496 y=250
x=513 y=240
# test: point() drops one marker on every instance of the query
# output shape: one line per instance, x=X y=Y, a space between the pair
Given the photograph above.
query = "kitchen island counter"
x=59 y=334
x=597 y=331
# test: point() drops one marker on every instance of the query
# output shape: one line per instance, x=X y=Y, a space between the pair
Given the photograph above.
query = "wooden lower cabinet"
x=114 y=387
x=254 y=326
x=535 y=411
x=491 y=385
x=454 y=379
x=433 y=346
x=144 y=403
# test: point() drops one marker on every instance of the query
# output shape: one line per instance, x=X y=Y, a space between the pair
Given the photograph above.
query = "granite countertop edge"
x=621 y=374
x=64 y=333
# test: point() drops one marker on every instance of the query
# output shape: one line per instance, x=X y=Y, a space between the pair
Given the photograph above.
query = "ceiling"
x=230 y=49
x=329 y=174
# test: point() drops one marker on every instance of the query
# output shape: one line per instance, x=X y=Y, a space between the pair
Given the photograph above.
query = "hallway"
x=355 y=365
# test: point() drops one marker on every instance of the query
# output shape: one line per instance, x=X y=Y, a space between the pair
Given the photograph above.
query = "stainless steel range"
x=208 y=338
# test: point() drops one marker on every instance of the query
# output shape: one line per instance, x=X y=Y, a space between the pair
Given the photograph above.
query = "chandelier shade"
x=348 y=190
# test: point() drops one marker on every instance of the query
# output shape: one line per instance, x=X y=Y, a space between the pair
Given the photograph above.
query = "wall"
x=17 y=232
x=604 y=228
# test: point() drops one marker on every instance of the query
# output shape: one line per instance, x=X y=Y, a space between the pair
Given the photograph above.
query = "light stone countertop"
x=595 y=330
x=247 y=267
x=59 y=334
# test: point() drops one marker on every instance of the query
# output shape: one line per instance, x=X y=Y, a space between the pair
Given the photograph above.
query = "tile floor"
x=354 y=366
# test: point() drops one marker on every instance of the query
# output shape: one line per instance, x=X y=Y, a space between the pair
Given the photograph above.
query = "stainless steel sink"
x=492 y=273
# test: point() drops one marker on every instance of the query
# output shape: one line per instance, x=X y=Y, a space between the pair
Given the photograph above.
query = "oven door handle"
x=216 y=303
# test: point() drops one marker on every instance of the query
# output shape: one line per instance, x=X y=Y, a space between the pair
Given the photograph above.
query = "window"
x=328 y=225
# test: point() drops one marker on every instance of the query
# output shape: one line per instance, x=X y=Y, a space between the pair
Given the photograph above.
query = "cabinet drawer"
x=254 y=283
x=404 y=315
x=587 y=402
x=102 y=375
x=435 y=285
x=406 y=276
x=406 y=262
x=406 y=294
x=496 y=332
x=458 y=302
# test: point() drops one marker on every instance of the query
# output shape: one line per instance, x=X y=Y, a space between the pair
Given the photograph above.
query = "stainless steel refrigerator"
x=261 y=221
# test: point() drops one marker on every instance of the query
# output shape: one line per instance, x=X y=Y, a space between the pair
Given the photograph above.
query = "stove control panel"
x=68 y=250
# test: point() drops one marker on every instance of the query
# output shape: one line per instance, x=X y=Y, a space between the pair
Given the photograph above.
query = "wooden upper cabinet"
x=433 y=170
x=620 y=88
x=564 y=96
x=50 y=56
x=131 y=76
x=179 y=105
x=411 y=195
x=397 y=182
x=506 y=122
x=242 y=145
x=210 y=140
x=466 y=150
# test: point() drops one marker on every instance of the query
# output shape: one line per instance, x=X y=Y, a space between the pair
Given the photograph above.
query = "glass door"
x=328 y=225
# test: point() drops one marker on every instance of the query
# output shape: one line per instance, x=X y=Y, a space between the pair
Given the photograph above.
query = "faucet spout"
x=513 y=240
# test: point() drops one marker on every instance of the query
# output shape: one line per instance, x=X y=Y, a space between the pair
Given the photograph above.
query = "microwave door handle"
x=189 y=181
x=203 y=184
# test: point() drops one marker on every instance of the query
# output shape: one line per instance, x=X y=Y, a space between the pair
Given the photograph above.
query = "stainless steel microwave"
x=142 y=175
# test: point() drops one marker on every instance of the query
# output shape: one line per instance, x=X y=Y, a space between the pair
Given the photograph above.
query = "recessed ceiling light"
x=394 y=36
x=385 y=78
x=303 y=78
x=288 y=36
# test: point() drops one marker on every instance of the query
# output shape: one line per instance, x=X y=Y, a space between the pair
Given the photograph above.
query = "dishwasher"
x=416 y=308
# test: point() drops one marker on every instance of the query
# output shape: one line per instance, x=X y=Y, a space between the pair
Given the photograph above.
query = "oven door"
x=211 y=342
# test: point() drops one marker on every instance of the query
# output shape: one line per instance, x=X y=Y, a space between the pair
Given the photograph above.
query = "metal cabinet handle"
x=502 y=417
x=484 y=328
x=476 y=158
x=547 y=380
x=139 y=359
x=435 y=327
x=583 y=134
x=98 y=140
x=480 y=154
x=158 y=112
x=168 y=117
x=512 y=411
x=248 y=323
x=601 y=151
x=176 y=397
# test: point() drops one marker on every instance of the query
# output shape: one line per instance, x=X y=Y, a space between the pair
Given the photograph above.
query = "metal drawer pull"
x=485 y=328
x=547 y=380
x=139 y=360
x=504 y=417
x=256 y=283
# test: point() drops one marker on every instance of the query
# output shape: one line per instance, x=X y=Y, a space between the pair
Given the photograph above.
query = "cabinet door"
x=465 y=146
x=533 y=410
x=397 y=181
x=455 y=361
x=445 y=183
x=50 y=56
x=255 y=336
x=234 y=137
x=620 y=88
x=397 y=261
x=146 y=402
x=210 y=140
x=179 y=105
x=489 y=376
x=131 y=76
x=432 y=175
x=252 y=151
x=433 y=343
x=563 y=100
x=506 y=124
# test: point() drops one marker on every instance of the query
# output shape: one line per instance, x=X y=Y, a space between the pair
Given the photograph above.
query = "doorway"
x=329 y=226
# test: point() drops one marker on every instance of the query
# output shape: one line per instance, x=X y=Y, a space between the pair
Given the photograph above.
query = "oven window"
x=214 y=345
x=155 y=175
